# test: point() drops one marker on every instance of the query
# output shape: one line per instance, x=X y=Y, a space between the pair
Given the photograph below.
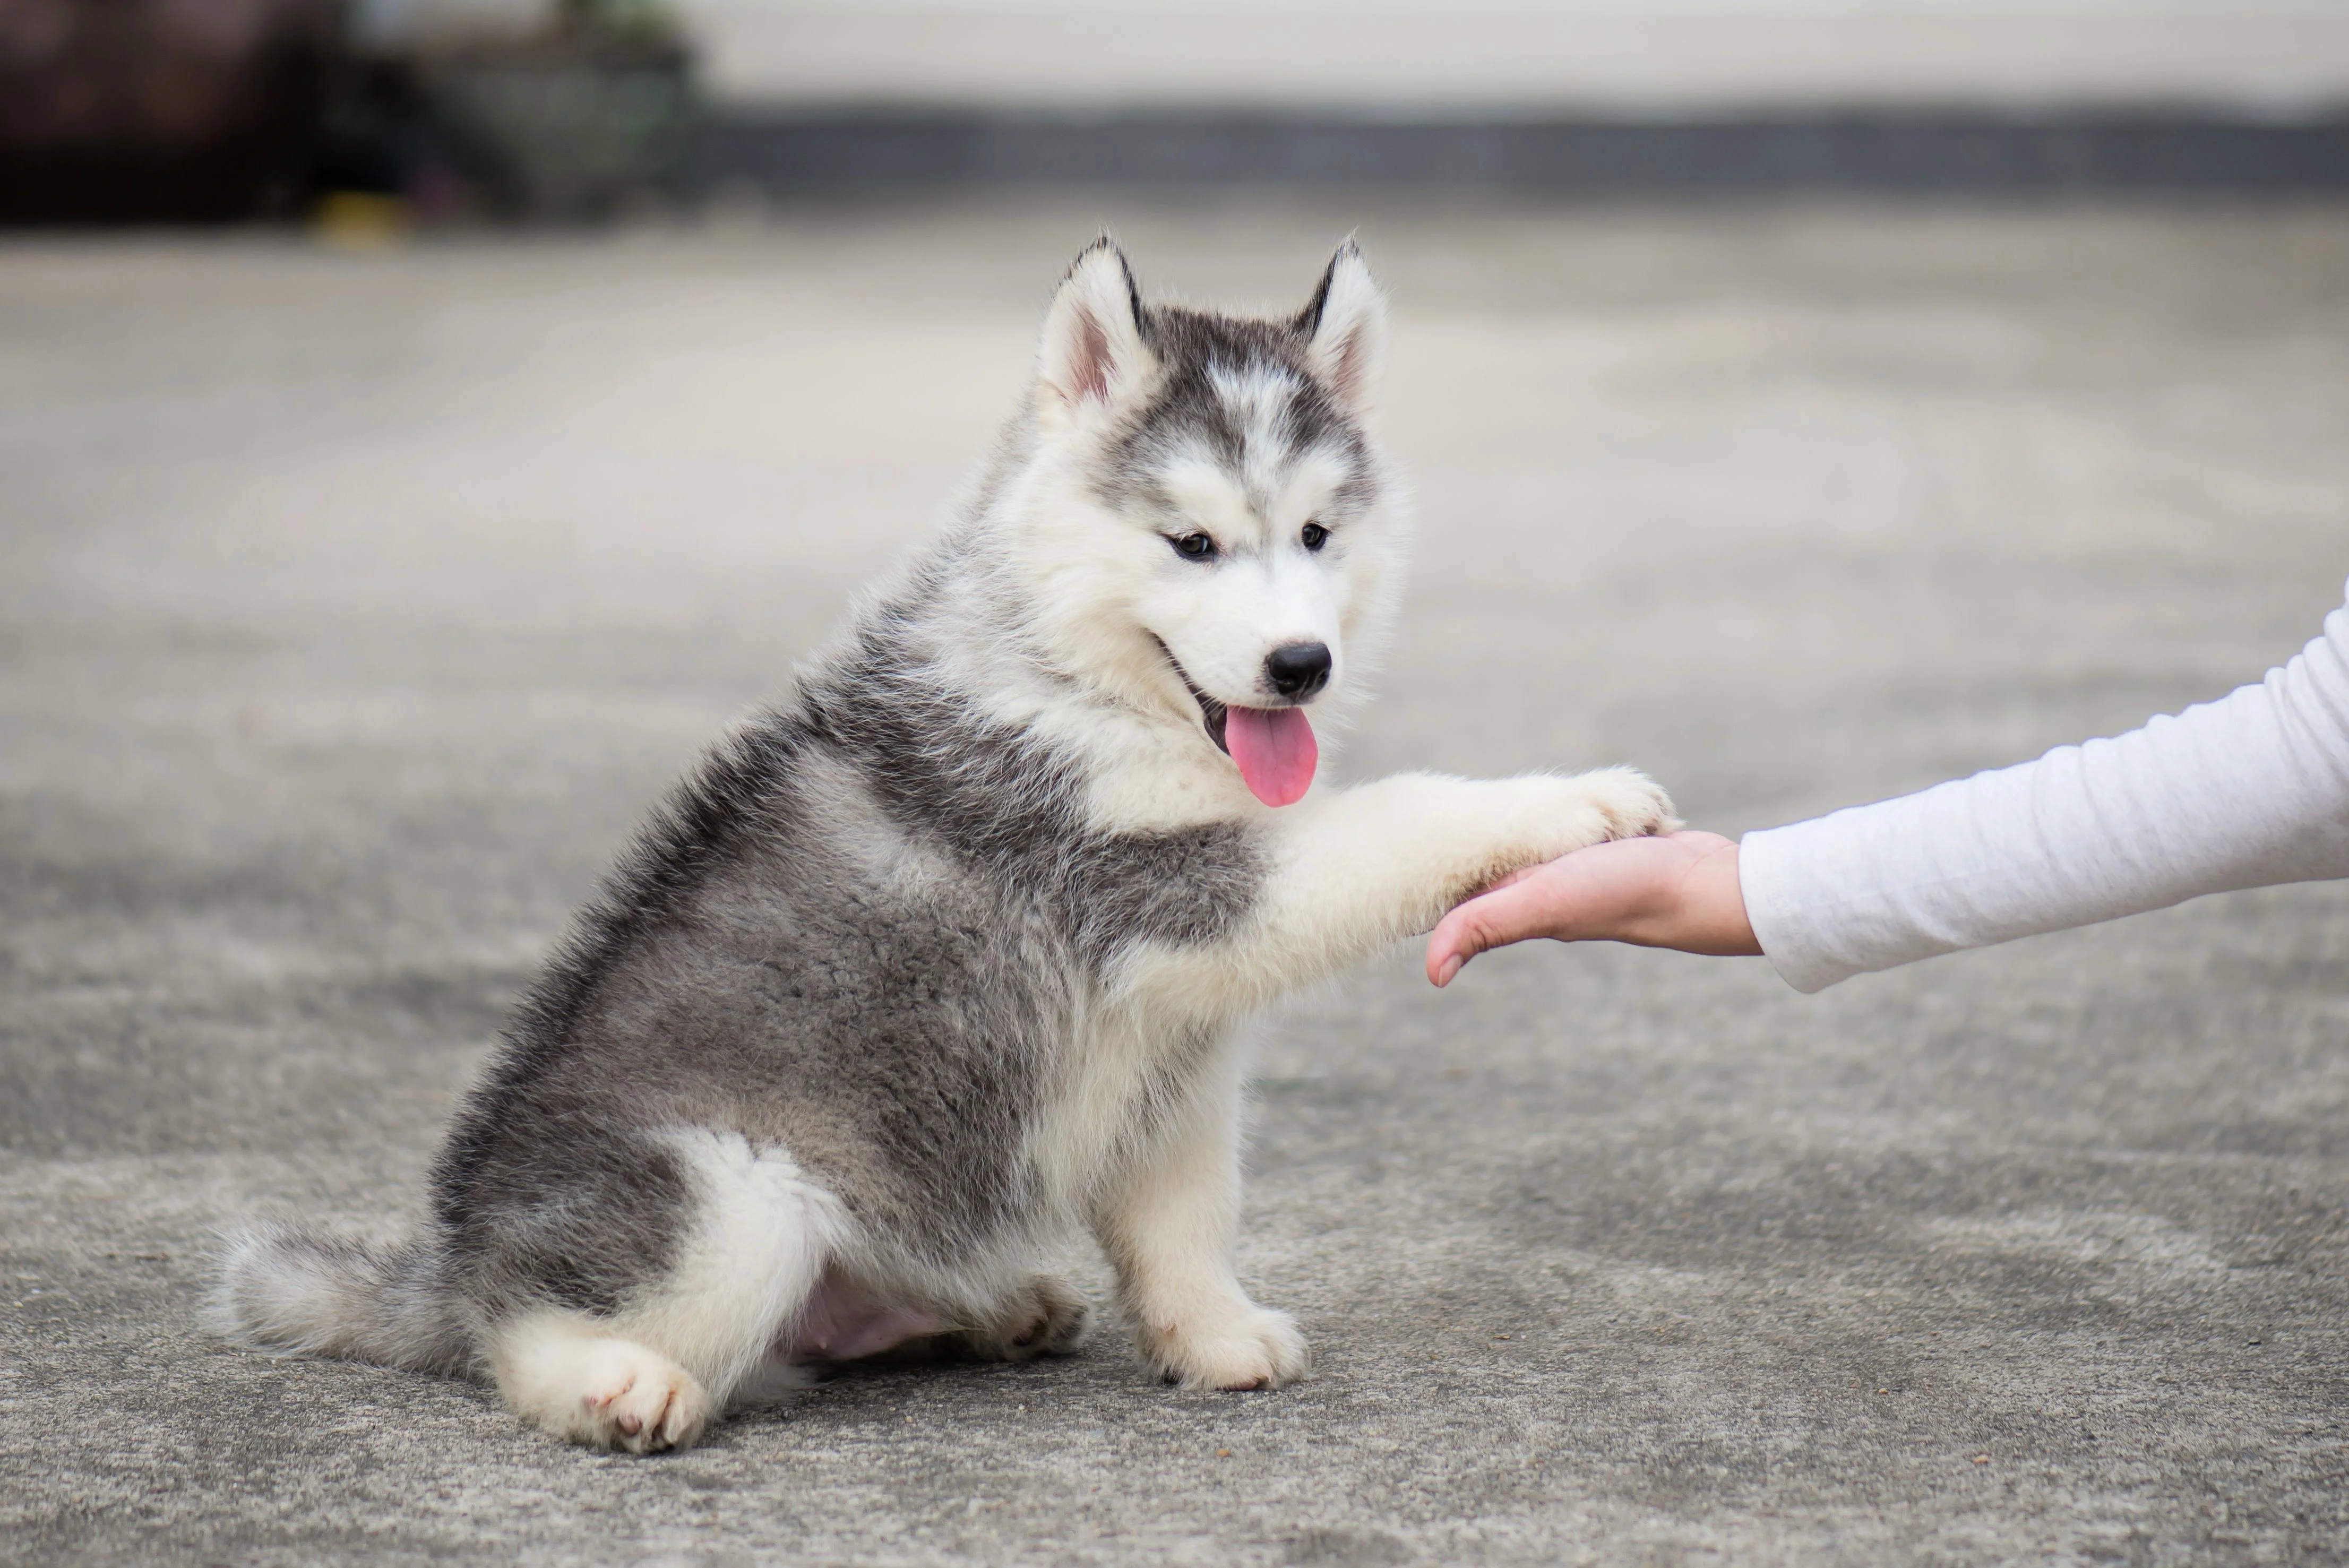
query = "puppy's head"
x=1220 y=510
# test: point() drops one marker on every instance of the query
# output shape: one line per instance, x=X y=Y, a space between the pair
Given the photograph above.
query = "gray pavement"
x=352 y=606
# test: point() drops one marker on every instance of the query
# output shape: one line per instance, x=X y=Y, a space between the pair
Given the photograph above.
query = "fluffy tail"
x=289 y=1290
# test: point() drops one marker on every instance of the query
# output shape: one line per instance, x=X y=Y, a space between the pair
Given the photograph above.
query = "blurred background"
x=117 y=110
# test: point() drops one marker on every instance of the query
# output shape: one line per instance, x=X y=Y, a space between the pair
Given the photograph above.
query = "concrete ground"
x=351 y=608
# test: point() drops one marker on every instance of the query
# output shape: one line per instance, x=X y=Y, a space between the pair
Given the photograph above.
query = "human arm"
x=2247 y=792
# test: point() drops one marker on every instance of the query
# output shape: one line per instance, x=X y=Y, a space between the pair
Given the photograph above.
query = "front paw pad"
x=1254 y=1349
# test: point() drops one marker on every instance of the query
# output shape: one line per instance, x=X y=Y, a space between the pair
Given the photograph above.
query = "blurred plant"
x=640 y=18
x=562 y=109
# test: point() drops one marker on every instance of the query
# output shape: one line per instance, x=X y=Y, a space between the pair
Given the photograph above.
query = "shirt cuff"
x=1770 y=878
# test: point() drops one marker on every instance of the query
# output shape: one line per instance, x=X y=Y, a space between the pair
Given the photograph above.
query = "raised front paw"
x=1251 y=1347
x=1540 y=817
x=1628 y=804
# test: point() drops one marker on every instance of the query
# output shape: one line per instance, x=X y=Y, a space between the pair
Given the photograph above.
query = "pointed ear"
x=1093 y=353
x=1346 y=329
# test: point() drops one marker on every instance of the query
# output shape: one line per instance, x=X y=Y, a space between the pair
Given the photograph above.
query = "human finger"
x=1522 y=905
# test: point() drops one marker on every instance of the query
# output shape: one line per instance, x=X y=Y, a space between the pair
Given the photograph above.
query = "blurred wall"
x=1407 y=58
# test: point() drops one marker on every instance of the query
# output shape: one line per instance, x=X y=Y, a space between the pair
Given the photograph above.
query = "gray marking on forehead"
x=1201 y=357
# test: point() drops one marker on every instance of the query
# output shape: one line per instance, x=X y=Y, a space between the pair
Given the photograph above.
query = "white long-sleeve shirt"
x=2247 y=792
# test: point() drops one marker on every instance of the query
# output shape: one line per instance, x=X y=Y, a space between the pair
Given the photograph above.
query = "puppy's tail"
x=293 y=1290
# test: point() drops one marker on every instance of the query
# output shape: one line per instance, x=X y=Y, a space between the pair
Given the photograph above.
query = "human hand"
x=1675 y=890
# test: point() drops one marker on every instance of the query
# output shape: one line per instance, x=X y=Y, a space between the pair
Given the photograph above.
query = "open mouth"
x=1273 y=747
x=1215 y=715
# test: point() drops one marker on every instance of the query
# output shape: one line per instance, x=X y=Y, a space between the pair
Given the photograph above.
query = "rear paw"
x=643 y=1403
x=608 y=1393
x=1256 y=1347
x=1048 y=1319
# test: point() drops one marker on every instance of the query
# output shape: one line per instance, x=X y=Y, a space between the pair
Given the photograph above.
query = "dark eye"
x=1194 y=547
x=1315 y=536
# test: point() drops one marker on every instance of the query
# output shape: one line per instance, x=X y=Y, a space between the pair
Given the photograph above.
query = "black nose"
x=1298 y=670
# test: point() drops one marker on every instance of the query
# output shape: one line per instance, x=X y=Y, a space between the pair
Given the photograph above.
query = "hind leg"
x=653 y=1373
x=1045 y=1318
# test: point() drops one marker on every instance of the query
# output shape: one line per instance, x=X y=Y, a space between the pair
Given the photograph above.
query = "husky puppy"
x=940 y=957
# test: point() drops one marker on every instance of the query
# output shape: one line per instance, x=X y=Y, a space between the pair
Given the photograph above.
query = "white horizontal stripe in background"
x=1612 y=56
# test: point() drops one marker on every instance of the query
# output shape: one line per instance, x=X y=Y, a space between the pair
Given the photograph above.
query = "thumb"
x=1510 y=913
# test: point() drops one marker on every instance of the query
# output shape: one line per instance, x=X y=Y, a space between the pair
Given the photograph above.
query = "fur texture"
x=940 y=957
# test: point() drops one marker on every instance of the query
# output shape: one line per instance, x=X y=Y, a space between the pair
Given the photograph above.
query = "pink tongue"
x=1275 y=750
